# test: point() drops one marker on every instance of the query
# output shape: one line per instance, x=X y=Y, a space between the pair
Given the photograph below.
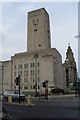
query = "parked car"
x=14 y=94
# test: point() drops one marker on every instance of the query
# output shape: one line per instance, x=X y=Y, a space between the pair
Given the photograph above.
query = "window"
x=14 y=87
x=38 y=72
x=31 y=87
x=31 y=72
x=38 y=64
x=35 y=22
x=38 y=87
x=14 y=73
x=25 y=73
x=20 y=73
x=25 y=87
x=25 y=65
x=14 y=66
x=33 y=79
x=25 y=80
x=33 y=64
x=20 y=66
x=38 y=79
x=35 y=30
x=47 y=31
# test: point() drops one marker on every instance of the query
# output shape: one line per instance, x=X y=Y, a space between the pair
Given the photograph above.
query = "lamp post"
x=35 y=57
x=78 y=37
x=1 y=79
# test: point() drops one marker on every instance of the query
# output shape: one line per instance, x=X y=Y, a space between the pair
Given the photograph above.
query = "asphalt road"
x=67 y=107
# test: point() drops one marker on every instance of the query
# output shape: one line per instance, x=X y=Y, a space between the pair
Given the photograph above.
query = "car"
x=14 y=94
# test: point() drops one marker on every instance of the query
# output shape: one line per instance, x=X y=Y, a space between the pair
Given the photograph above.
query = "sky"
x=13 y=30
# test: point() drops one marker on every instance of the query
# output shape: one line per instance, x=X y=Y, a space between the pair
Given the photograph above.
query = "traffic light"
x=17 y=80
x=44 y=84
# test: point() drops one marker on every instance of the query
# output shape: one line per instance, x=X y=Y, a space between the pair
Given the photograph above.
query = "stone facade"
x=49 y=67
x=38 y=34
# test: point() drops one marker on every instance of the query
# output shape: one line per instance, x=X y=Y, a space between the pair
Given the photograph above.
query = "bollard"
x=10 y=99
x=29 y=100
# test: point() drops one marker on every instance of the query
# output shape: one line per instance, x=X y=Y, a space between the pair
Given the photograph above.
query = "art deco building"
x=40 y=62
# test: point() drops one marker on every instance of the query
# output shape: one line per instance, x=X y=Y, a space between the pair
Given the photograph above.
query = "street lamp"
x=36 y=56
x=1 y=78
x=78 y=37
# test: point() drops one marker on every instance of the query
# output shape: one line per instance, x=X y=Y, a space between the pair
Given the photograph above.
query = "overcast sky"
x=63 y=24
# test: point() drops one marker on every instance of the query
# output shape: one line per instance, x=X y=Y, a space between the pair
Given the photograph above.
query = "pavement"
x=50 y=98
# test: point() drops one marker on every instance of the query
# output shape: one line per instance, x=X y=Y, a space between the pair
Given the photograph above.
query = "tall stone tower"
x=70 y=68
x=38 y=34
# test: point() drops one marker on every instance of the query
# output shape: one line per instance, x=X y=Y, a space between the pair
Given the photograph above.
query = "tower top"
x=37 y=12
x=69 y=53
x=38 y=32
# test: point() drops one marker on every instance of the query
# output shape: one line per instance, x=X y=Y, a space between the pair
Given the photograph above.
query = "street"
x=57 y=107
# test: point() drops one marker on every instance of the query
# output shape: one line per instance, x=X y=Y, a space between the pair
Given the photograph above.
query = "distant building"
x=70 y=69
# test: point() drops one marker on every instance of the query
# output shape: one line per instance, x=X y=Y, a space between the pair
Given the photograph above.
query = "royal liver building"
x=40 y=62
